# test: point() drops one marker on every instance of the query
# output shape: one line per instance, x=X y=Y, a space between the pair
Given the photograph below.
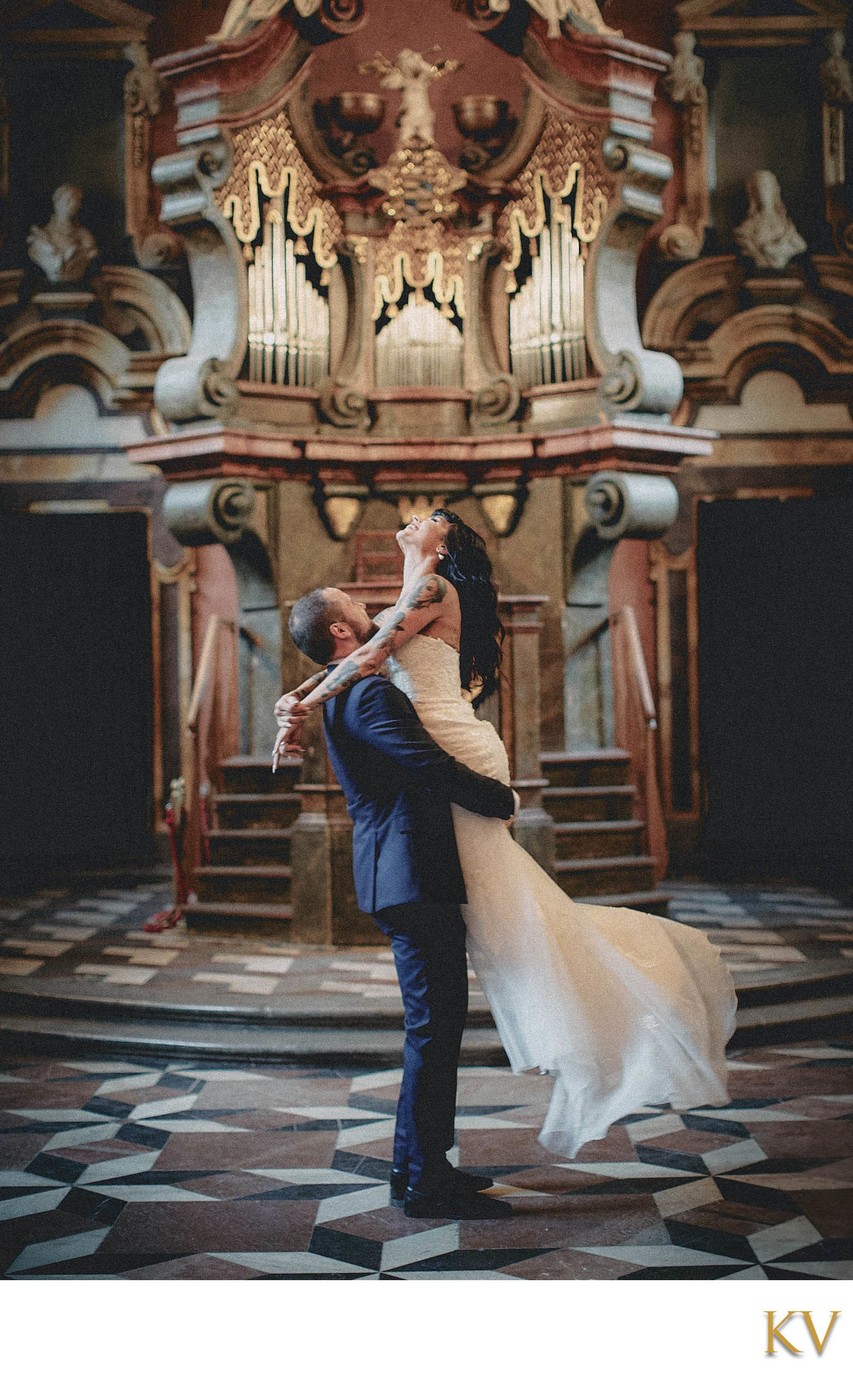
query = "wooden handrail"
x=637 y=719
x=589 y=636
x=205 y=665
x=638 y=663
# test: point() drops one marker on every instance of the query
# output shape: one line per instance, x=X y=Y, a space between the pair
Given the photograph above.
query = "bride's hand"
x=285 y=706
x=288 y=742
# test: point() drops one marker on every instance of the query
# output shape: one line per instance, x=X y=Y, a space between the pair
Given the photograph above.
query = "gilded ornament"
x=418 y=183
x=268 y=162
x=423 y=256
x=566 y=163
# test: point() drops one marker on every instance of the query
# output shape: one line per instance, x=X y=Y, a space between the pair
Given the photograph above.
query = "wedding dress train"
x=623 y=1008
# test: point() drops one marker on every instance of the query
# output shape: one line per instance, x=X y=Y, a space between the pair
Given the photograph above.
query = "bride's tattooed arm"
x=414 y=611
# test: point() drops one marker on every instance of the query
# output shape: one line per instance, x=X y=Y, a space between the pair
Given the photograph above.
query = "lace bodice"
x=427 y=672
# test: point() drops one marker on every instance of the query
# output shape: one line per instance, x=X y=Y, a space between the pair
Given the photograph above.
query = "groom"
x=399 y=786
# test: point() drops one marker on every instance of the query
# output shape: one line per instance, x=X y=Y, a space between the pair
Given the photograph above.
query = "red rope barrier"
x=167 y=919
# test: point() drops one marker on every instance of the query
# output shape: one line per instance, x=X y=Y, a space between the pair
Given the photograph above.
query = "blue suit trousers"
x=428 y=941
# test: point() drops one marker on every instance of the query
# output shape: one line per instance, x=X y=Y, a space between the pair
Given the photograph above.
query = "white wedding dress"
x=623 y=1008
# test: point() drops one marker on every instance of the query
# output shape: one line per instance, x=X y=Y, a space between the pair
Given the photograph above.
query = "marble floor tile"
x=254 y=1172
x=57 y=1251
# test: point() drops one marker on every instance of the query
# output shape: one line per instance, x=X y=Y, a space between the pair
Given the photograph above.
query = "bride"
x=623 y=1008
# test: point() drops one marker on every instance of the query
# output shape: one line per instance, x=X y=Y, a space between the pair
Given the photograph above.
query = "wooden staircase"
x=246 y=885
x=600 y=854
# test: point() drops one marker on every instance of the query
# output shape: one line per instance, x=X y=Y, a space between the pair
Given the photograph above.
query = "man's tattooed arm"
x=414 y=611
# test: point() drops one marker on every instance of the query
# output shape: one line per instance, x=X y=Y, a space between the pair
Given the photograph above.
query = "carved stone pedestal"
x=520 y=724
x=323 y=893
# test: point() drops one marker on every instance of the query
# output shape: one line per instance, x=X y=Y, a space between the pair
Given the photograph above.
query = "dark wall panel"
x=776 y=681
x=75 y=691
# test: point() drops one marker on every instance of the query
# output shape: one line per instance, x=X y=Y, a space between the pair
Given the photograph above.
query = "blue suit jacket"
x=399 y=786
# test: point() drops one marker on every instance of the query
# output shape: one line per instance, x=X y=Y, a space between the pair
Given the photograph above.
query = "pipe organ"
x=418 y=346
x=546 y=312
x=288 y=316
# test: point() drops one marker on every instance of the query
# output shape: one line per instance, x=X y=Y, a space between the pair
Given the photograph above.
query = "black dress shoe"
x=461 y=1179
x=453 y=1203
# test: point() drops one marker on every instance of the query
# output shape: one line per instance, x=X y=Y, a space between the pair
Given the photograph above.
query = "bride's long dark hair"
x=468 y=567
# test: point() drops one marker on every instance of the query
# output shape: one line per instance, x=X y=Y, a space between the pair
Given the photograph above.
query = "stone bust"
x=767 y=236
x=63 y=249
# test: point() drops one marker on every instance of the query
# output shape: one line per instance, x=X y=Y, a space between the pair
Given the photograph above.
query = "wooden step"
x=826 y=1018
x=240 y=917
x=243 y=883
x=249 y=846
x=600 y=875
x=589 y=802
x=620 y=838
x=327 y=1045
x=72 y=996
x=256 y=811
x=603 y=766
x=252 y=775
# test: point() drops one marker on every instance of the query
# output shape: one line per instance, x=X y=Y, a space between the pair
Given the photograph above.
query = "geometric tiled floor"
x=92 y=939
x=116 y=1170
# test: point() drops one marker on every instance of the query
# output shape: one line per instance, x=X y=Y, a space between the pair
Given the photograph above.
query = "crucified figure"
x=411 y=73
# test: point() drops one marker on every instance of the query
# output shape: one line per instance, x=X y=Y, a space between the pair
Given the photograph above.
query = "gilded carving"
x=268 y=163
x=567 y=162
x=419 y=184
x=423 y=256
